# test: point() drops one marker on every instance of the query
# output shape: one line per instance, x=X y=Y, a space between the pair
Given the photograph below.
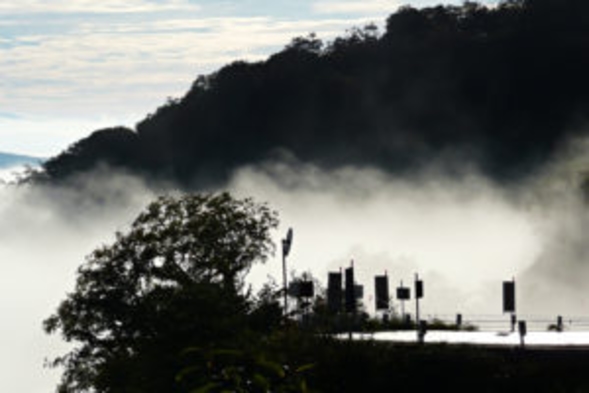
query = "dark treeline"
x=502 y=88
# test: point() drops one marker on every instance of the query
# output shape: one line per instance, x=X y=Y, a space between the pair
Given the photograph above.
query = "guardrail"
x=497 y=322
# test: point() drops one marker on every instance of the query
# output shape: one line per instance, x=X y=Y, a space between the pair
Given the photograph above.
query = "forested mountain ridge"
x=498 y=87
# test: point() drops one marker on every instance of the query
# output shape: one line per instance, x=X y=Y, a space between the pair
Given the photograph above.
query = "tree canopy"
x=172 y=281
x=501 y=87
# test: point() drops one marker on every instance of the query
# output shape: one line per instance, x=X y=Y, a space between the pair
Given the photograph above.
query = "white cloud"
x=91 y=6
x=357 y=7
x=121 y=69
x=378 y=7
x=121 y=59
x=45 y=136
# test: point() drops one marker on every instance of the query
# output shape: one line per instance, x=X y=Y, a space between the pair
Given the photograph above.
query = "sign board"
x=334 y=292
x=301 y=289
x=306 y=289
x=294 y=289
x=350 y=290
x=418 y=289
x=403 y=293
x=508 y=296
x=381 y=285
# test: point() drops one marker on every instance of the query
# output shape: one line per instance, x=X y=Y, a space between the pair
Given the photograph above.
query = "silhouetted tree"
x=171 y=282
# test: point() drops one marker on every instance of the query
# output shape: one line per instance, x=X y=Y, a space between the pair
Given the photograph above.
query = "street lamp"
x=286 y=243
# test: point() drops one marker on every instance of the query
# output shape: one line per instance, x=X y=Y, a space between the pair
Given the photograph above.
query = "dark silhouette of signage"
x=508 y=296
x=301 y=289
x=306 y=289
x=334 y=292
x=419 y=289
x=350 y=290
x=403 y=293
x=381 y=284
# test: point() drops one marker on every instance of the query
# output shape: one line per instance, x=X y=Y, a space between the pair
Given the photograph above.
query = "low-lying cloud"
x=45 y=234
x=463 y=234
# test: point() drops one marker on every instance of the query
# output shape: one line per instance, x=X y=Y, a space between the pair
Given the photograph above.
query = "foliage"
x=501 y=86
x=342 y=366
x=173 y=280
x=224 y=370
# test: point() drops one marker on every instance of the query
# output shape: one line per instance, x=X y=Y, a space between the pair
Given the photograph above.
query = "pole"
x=284 y=280
x=416 y=303
x=403 y=307
x=286 y=244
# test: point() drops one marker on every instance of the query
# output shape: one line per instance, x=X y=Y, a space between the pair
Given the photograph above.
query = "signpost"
x=418 y=295
x=523 y=330
x=381 y=289
x=403 y=294
x=350 y=290
x=350 y=297
x=509 y=301
x=334 y=292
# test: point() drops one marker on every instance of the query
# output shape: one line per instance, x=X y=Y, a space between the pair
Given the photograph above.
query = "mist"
x=45 y=233
x=463 y=233
x=463 y=236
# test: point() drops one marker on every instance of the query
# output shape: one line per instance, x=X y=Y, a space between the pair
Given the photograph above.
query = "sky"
x=71 y=67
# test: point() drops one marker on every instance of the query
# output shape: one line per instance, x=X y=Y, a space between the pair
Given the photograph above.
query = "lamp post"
x=286 y=243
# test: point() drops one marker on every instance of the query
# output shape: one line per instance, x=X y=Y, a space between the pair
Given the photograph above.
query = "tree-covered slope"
x=501 y=88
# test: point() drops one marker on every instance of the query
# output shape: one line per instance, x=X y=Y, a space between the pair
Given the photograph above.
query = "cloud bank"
x=45 y=234
x=361 y=7
x=463 y=234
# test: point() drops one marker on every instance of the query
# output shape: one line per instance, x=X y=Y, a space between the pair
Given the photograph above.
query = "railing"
x=498 y=322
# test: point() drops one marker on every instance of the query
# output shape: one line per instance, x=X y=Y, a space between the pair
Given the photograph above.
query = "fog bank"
x=462 y=233
x=45 y=233
x=463 y=236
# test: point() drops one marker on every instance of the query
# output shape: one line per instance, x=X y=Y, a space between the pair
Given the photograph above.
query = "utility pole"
x=402 y=295
x=420 y=326
x=350 y=298
x=417 y=284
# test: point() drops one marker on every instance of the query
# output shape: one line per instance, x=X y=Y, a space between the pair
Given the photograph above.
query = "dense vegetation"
x=172 y=282
x=500 y=88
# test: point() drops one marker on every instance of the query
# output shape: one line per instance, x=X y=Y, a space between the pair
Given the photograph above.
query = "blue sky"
x=72 y=66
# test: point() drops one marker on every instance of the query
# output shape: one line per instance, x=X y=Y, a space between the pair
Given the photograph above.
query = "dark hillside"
x=500 y=87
